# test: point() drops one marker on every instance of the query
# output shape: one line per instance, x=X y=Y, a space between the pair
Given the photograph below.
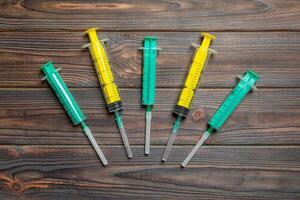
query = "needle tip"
x=95 y=145
x=105 y=164
x=169 y=146
x=148 y=132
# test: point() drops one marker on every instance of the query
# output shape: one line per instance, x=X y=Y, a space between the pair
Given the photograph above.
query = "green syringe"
x=68 y=102
x=215 y=123
x=149 y=78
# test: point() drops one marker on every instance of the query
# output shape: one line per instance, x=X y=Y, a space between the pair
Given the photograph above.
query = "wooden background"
x=255 y=156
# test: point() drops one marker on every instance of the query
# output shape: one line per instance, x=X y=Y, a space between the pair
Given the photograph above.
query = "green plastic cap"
x=62 y=92
x=231 y=102
x=149 y=70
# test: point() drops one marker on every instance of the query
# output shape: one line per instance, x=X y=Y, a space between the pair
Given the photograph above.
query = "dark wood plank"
x=34 y=172
x=273 y=55
x=145 y=15
x=34 y=116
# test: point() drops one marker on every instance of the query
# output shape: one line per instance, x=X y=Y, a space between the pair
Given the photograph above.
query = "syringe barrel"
x=233 y=100
x=191 y=83
x=149 y=70
x=105 y=76
x=63 y=94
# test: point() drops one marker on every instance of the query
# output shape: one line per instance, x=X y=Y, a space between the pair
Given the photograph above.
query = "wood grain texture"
x=34 y=116
x=273 y=55
x=256 y=154
x=154 y=15
x=41 y=172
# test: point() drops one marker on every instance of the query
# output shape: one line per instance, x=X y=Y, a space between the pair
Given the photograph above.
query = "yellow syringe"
x=109 y=88
x=182 y=107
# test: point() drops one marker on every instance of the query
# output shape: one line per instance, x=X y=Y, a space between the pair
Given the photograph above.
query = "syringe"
x=182 y=107
x=149 y=78
x=67 y=100
x=109 y=88
x=240 y=91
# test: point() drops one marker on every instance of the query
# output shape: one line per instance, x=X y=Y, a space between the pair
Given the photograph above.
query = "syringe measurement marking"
x=225 y=105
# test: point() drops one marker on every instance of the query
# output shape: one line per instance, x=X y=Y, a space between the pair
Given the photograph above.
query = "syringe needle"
x=172 y=136
x=123 y=134
x=148 y=131
x=169 y=146
x=93 y=141
x=195 y=149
